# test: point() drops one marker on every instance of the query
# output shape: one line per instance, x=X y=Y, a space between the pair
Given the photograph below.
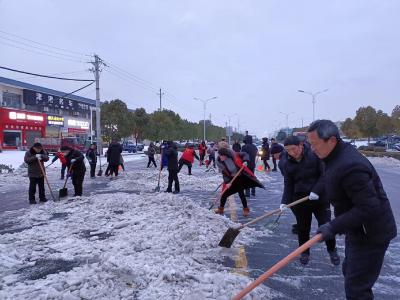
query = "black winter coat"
x=113 y=154
x=265 y=151
x=251 y=150
x=172 y=156
x=91 y=156
x=302 y=177
x=30 y=159
x=353 y=187
x=236 y=147
x=276 y=148
x=79 y=165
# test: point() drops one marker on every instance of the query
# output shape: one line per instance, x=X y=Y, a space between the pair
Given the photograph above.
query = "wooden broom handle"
x=273 y=212
x=279 y=265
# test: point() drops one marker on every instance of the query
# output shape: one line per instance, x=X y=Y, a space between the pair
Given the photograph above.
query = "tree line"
x=117 y=121
x=370 y=122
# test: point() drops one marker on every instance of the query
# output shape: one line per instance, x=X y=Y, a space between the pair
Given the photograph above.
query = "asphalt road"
x=318 y=280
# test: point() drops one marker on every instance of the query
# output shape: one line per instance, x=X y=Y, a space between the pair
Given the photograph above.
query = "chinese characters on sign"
x=55 y=120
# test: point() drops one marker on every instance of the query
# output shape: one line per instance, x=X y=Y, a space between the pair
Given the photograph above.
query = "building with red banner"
x=28 y=112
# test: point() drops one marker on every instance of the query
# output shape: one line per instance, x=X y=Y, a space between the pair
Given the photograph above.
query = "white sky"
x=253 y=55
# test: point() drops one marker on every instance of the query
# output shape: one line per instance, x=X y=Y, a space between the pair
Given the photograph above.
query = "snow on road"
x=121 y=245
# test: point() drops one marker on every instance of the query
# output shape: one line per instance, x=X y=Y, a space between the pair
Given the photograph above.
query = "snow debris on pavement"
x=122 y=245
x=385 y=162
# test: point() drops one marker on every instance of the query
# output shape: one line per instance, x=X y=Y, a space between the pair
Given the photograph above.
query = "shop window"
x=12 y=139
x=11 y=100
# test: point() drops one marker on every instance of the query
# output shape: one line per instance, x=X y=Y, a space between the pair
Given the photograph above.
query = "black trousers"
x=92 y=170
x=33 y=181
x=266 y=164
x=151 y=160
x=303 y=213
x=274 y=162
x=184 y=162
x=236 y=187
x=173 y=177
x=202 y=155
x=77 y=181
x=253 y=189
x=211 y=159
x=63 y=168
x=361 y=267
x=113 y=169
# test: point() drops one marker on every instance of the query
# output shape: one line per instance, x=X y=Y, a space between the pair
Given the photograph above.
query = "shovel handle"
x=66 y=177
x=45 y=178
x=279 y=265
x=273 y=212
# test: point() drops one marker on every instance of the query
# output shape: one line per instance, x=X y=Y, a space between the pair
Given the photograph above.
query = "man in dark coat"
x=362 y=208
x=303 y=172
x=33 y=157
x=76 y=167
x=276 y=150
x=91 y=156
x=252 y=151
x=151 y=151
x=236 y=146
x=265 y=154
x=173 y=169
x=113 y=156
x=229 y=164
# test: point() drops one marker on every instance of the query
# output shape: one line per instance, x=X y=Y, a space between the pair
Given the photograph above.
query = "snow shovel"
x=230 y=183
x=157 y=189
x=64 y=191
x=45 y=178
x=279 y=265
x=231 y=234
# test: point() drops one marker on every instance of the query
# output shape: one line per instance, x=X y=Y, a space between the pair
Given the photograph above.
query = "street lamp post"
x=287 y=121
x=204 y=101
x=314 y=97
x=229 y=123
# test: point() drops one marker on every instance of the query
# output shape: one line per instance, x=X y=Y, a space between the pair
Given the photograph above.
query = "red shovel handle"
x=279 y=265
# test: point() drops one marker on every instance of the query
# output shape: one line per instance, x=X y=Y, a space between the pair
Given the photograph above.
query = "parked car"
x=139 y=147
x=129 y=147
x=397 y=146
x=379 y=144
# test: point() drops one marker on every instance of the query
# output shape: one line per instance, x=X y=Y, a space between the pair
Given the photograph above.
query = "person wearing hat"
x=211 y=155
x=303 y=176
x=91 y=156
x=275 y=150
x=33 y=157
x=229 y=164
x=251 y=150
x=75 y=164
x=265 y=154
x=172 y=155
x=187 y=158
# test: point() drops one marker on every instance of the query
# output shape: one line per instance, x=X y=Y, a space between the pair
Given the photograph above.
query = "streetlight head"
x=301 y=91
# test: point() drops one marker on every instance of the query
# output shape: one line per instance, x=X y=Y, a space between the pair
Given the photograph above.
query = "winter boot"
x=175 y=192
x=246 y=211
x=304 y=258
x=32 y=201
x=43 y=200
x=219 y=210
x=335 y=259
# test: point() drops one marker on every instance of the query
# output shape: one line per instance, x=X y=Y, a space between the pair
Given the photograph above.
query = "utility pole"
x=96 y=70
x=287 y=122
x=314 y=99
x=160 y=94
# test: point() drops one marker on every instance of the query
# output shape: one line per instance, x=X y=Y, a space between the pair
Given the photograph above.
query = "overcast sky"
x=253 y=55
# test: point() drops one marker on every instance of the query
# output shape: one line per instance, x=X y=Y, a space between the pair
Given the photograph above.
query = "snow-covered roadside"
x=385 y=162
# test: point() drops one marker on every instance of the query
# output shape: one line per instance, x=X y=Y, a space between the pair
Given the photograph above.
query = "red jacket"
x=61 y=157
x=202 y=149
x=189 y=154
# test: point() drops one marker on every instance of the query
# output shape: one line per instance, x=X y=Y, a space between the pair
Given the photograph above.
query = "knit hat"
x=292 y=140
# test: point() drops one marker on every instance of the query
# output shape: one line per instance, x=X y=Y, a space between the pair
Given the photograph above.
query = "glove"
x=326 y=231
x=39 y=156
x=245 y=163
x=313 y=196
x=73 y=160
x=282 y=207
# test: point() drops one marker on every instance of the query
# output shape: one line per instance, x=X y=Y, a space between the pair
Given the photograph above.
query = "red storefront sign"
x=19 y=127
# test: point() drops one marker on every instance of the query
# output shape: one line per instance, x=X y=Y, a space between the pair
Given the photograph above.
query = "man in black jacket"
x=251 y=150
x=75 y=163
x=33 y=157
x=362 y=209
x=91 y=156
x=276 y=150
x=173 y=169
x=265 y=153
x=302 y=171
x=114 y=156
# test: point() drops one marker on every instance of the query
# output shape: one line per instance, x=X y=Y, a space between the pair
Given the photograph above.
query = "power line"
x=46 y=45
x=130 y=80
x=66 y=95
x=64 y=73
x=40 y=48
x=41 y=53
x=46 y=76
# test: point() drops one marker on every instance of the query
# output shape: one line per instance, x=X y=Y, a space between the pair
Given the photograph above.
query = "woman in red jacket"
x=202 y=152
x=187 y=158
x=59 y=155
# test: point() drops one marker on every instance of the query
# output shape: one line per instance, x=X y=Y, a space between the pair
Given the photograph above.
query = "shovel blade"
x=157 y=189
x=63 y=193
x=229 y=237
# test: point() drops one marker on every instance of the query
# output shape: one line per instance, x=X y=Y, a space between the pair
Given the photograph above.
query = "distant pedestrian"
x=59 y=155
x=151 y=151
x=252 y=151
x=236 y=146
x=187 y=158
x=211 y=150
x=202 y=152
x=33 y=157
x=265 y=156
x=75 y=163
x=91 y=156
x=114 y=156
x=276 y=150
x=121 y=162
x=173 y=169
